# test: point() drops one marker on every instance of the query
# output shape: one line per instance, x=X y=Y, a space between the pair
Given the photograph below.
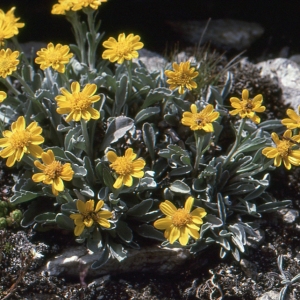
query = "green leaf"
x=24 y=196
x=181 y=171
x=156 y=95
x=47 y=217
x=116 y=129
x=180 y=187
x=124 y=232
x=120 y=95
x=64 y=222
x=149 y=139
x=141 y=208
x=221 y=208
x=273 y=206
x=117 y=251
x=149 y=231
x=102 y=260
x=146 y=113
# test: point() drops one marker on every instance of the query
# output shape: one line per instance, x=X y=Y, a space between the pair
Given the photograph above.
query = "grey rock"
x=289 y=215
x=152 y=60
x=271 y=295
x=224 y=33
x=249 y=268
x=77 y=260
x=287 y=74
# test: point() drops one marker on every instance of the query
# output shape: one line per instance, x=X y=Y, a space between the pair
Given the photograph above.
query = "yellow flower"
x=283 y=150
x=94 y=4
x=8 y=62
x=78 y=105
x=3 y=96
x=54 y=172
x=21 y=140
x=246 y=107
x=180 y=223
x=124 y=48
x=9 y=25
x=6 y=31
x=294 y=119
x=182 y=77
x=87 y=216
x=10 y=18
x=62 y=6
x=126 y=167
x=202 y=120
x=54 y=56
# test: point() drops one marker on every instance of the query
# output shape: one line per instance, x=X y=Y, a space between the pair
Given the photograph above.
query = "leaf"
x=149 y=231
x=120 y=95
x=149 y=139
x=146 y=113
x=103 y=259
x=24 y=196
x=64 y=221
x=273 y=206
x=181 y=171
x=116 y=129
x=180 y=187
x=117 y=251
x=221 y=208
x=213 y=220
x=124 y=232
x=47 y=217
x=156 y=95
x=141 y=208
x=94 y=242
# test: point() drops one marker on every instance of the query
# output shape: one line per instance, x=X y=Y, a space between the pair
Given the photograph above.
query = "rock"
x=75 y=261
x=223 y=33
x=287 y=73
x=152 y=60
x=257 y=240
x=249 y=268
x=269 y=296
x=289 y=215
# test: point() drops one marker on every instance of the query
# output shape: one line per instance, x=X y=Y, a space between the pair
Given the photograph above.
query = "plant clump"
x=119 y=153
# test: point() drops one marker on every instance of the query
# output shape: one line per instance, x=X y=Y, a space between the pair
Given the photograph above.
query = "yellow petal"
x=163 y=223
x=168 y=208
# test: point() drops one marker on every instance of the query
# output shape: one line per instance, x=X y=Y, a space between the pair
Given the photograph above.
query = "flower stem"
x=19 y=48
x=236 y=143
x=129 y=68
x=26 y=87
x=199 y=144
x=9 y=86
x=88 y=146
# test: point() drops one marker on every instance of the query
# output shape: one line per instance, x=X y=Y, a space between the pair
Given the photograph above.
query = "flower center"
x=123 y=48
x=54 y=56
x=200 y=119
x=4 y=64
x=182 y=78
x=80 y=102
x=54 y=169
x=248 y=106
x=88 y=220
x=284 y=148
x=122 y=166
x=20 y=139
x=181 y=217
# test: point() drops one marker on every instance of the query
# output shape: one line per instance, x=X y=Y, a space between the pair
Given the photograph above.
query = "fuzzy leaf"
x=149 y=231
x=141 y=208
x=149 y=139
x=146 y=113
x=180 y=187
x=64 y=222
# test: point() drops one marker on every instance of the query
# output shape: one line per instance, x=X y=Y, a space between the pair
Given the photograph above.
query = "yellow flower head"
x=246 y=107
x=54 y=172
x=10 y=19
x=180 y=223
x=6 y=31
x=94 y=4
x=87 y=216
x=3 y=96
x=200 y=120
x=182 y=77
x=294 y=119
x=21 y=140
x=8 y=62
x=54 y=56
x=9 y=25
x=62 y=6
x=124 y=48
x=283 y=150
x=126 y=167
x=78 y=104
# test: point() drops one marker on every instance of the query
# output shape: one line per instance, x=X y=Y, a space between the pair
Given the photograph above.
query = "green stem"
x=236 y=143
x=88 y=146
x=129 y=68
x=92 y=45
x=199 y=144
x=19 y=48
x=65 y=80
x=9 y=86
x=26 y=87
